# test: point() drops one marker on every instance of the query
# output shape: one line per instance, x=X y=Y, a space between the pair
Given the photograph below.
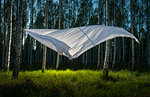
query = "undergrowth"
x=80 y=83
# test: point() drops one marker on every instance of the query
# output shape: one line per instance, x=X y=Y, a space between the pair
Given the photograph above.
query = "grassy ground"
x=82 y=83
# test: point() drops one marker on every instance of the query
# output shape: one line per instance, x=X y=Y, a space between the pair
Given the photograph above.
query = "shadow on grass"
x=30 y=89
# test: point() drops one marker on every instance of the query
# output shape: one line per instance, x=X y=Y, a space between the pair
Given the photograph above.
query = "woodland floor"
x=80 y=83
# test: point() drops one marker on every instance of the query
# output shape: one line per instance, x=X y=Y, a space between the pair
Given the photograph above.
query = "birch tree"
x=44 y=47
x=57 y=63
x=99 y=13
x=8 y=49
x=106 y=61
x=19 y=41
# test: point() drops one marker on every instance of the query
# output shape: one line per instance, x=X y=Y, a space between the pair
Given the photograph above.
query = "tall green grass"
x=80 y=83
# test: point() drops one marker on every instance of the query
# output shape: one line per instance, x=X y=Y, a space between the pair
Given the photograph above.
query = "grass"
x=80 y=83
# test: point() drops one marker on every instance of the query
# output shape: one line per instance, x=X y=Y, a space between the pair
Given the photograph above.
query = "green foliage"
x=80 y=83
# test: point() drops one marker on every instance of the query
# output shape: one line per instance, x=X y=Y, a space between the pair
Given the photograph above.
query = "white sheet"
x=75 y=41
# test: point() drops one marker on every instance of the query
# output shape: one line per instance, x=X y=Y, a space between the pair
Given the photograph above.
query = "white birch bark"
x=44 y=47
x=57 y=63
x=106 y=61
x=98 y=61
x=9 y=38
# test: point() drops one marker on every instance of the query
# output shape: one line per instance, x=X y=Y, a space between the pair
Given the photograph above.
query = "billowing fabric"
x=75 y=41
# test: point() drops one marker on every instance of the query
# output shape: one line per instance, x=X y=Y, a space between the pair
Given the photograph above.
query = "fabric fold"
x=73 y=42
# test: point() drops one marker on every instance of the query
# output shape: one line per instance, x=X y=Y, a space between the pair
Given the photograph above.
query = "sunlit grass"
x=78 y=83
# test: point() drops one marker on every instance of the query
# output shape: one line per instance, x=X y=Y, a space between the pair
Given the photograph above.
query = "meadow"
x=78 y=83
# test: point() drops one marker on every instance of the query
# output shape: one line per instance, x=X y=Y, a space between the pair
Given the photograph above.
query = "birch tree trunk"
x=19 y=41
x=133 y=60
x=9 y=38
x=106 y=61
x=84 y=55
x=4 y=40
x=57 y=63
x=102 y=45
x=44 y=47
x=99 y=13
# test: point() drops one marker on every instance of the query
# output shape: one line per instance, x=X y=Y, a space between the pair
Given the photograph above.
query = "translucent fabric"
x=73 y=42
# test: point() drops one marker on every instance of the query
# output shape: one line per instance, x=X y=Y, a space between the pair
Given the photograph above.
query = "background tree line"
x=17 y=47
